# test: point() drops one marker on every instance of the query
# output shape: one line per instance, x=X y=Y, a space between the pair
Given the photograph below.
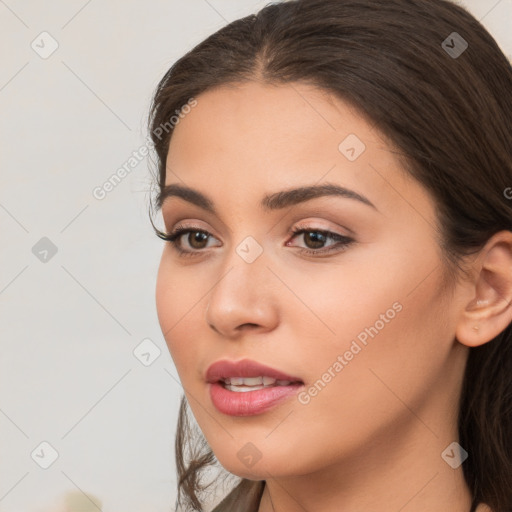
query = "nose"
x=244 y=298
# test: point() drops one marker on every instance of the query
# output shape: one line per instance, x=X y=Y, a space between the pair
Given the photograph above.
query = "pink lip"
x=244 y=368
x=251 y=402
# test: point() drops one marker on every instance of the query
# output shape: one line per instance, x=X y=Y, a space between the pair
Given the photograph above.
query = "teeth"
x=252 y=383
x=244 y=389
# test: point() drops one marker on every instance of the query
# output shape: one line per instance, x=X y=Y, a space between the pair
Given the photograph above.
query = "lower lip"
x=249 y=403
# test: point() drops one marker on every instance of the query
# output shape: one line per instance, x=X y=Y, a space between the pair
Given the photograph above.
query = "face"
x=353 y=306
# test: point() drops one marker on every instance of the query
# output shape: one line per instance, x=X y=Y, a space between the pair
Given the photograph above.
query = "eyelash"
x=343 y=241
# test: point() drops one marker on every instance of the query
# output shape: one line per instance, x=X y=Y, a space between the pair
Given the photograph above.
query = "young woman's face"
x=363 y=323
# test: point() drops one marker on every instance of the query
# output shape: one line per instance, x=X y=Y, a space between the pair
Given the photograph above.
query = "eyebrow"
x=275 y=201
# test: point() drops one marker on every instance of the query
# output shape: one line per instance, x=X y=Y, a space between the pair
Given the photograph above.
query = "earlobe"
x=489 y=311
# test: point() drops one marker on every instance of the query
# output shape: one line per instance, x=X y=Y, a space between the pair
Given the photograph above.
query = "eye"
x=196 y=238
x=316 y=238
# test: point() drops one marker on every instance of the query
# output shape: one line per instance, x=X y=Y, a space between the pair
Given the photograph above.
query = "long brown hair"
x=434 y=82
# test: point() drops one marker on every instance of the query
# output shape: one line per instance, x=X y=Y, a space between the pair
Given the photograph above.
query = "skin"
x=372 y=439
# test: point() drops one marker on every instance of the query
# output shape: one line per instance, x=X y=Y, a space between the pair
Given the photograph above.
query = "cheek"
x=393 y=347
x=165 y=297
x=177 y=302
x=335 y=304
x=387 y=327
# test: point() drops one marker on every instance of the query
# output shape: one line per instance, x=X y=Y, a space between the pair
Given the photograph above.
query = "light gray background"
x=69 y=325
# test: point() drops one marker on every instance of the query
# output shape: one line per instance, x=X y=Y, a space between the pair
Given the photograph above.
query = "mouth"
x=245 y=384
x=248 y=375
x=249 y=388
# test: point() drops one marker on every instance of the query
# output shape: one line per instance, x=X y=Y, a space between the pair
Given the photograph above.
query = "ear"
x=489 y=311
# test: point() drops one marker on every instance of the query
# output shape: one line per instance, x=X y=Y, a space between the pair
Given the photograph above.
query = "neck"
x=404 y=470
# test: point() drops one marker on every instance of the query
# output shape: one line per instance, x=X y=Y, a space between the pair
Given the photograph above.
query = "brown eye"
x=197 y=238
x=317 y=240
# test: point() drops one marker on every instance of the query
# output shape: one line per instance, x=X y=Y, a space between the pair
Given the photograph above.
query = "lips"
x=245 y=368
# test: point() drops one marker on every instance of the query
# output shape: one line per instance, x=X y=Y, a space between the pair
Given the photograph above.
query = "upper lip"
x=245 y=368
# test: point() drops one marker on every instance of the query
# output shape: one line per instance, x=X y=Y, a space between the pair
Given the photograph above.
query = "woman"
x=334 y=178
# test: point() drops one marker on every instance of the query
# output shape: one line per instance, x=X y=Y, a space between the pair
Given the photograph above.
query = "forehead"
x=252 y=114
x=260 y=137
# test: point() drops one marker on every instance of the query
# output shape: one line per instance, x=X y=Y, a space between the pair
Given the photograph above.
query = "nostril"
x=248 y=325
x=213 y=327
